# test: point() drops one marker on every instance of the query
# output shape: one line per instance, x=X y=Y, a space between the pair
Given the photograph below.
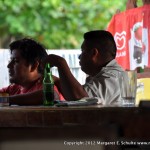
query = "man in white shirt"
x=97 y=60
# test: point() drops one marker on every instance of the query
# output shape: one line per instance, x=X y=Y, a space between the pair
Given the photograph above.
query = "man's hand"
x=54 y=60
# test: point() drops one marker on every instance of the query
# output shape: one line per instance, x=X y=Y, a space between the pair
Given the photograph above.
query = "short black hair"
x=30 y=50
x=103 y=41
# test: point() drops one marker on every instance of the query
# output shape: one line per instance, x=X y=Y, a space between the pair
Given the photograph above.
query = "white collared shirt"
x=105 y=85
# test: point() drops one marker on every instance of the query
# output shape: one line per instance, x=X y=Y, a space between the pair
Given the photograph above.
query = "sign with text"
x=131 y=31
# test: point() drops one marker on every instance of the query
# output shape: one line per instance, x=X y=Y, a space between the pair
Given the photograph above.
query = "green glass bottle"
x=48 y=87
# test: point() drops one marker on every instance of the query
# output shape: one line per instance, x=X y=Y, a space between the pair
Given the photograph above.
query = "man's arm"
x=70 y=87
x=33 y=98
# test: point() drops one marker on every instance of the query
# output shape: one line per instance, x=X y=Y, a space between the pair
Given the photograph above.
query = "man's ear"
x=35 y=66
x=95 y=52
x=95 y=55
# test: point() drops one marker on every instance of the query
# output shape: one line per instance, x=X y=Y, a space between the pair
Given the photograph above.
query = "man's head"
x=98 y=48
x=26 y=56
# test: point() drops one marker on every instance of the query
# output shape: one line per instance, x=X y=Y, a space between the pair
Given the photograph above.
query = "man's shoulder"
x=112 y=66
x=110 y=71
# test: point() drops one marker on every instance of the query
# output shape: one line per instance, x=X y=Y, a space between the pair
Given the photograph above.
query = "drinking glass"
x=4 y=99
x=128 y=86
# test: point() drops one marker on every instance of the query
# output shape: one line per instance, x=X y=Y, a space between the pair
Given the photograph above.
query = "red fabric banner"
x=131 y=31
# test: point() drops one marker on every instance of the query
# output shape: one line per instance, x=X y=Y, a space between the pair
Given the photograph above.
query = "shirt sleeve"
x=4 y=90
x=104 y=88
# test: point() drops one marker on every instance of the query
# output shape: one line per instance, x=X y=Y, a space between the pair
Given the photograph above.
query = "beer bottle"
x=48 y=87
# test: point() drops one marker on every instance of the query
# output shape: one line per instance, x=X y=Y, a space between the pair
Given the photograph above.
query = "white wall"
x=71 y=57
x=4 y=58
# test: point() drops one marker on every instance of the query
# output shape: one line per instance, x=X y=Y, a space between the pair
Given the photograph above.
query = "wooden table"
x=84 y=124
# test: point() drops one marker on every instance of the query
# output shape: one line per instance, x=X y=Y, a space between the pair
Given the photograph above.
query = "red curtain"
x=131 y=31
